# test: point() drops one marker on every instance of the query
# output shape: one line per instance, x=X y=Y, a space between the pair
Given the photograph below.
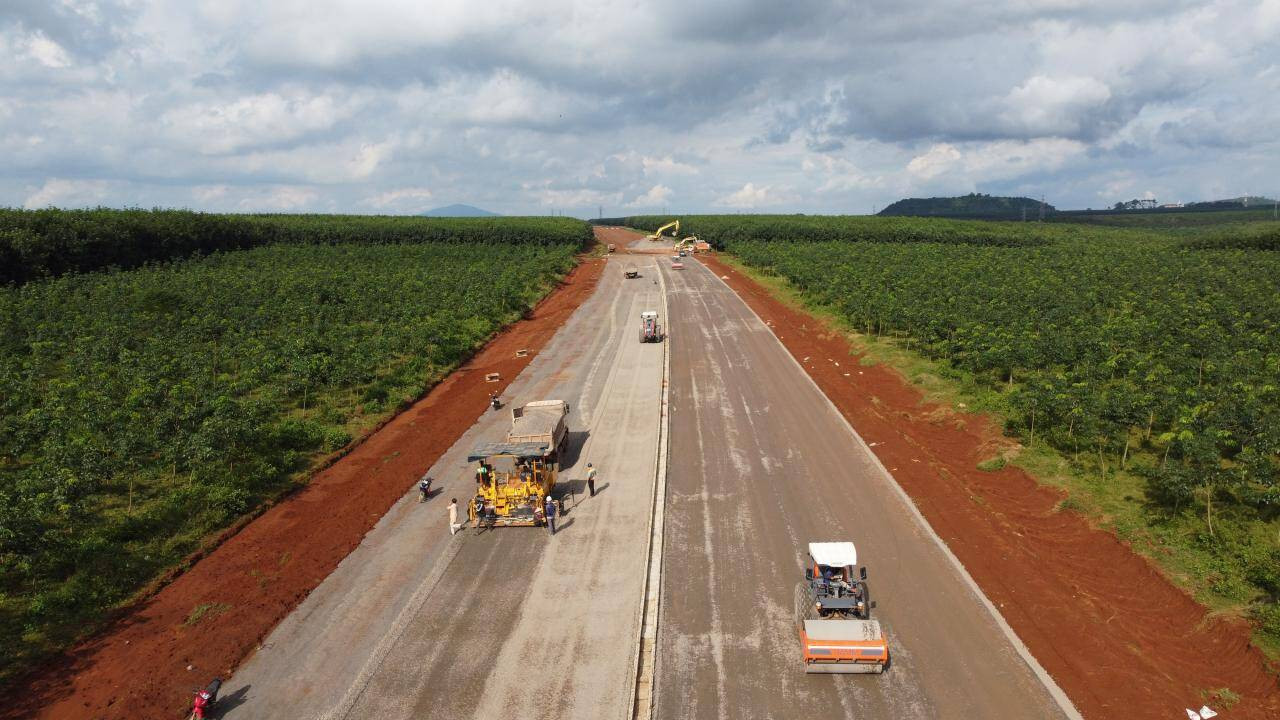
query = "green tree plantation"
x=142 y=409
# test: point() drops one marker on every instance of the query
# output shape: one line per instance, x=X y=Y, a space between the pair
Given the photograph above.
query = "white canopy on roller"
x=833 y=554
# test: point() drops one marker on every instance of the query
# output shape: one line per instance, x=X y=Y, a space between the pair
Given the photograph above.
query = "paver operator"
x=550 y=513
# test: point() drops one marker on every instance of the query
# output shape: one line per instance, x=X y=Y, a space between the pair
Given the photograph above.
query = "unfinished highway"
x=760 y=465
x=417 y=623
x=511 y=622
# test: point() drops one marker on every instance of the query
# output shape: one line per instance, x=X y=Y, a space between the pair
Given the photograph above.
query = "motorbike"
x=494 y=401
x=204 y=701
x=424 y=489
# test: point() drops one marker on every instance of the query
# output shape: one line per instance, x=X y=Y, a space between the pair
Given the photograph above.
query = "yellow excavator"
x=673 y=226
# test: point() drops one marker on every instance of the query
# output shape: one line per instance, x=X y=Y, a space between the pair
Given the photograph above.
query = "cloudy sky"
x=397 y=106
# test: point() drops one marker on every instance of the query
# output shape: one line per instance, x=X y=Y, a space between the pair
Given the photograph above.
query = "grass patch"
x=1225 y=698
x=992 y=464
x=1070 y=504
x=204 y=610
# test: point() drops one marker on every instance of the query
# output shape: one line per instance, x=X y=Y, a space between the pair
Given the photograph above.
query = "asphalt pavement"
x=761 y=465
x=510 y=622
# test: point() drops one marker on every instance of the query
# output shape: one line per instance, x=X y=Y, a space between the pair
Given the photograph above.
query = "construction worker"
x=482 y=473
x=453 y=516
x=591 y=479
x=550 y=513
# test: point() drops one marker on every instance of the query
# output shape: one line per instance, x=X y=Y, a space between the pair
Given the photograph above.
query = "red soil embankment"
x=1119 y=638
x=137 y=666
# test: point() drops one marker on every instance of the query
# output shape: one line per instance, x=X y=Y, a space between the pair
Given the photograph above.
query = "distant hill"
x=457 y=210
x=1238 y=203
x=973 y=205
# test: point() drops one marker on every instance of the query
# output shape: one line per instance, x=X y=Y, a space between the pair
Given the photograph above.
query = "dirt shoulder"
x=147 y=661
x=1120 y=639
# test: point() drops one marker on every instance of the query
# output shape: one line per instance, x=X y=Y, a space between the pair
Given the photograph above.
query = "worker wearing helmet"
x=550 y=513
x=591 y=479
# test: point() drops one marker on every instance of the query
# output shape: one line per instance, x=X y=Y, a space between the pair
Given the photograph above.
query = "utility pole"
x=601 y=215
x=1042 y=208
x=1024 y=213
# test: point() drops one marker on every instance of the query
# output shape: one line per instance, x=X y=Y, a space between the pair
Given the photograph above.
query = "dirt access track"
x=1115 y=635
x=138 y=666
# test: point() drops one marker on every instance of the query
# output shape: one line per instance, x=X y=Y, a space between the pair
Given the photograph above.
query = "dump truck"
x=837 y=634
x=650 y=330
x=514 y=477
x=542 y=422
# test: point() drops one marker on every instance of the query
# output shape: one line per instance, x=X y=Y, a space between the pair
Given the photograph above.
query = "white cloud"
x=366 y=160
x=998 y=160
x=1055 y=106
x=213 y=127
x=655 y=196
x=666 y=166
x=46 y=52
x=410 y=197
x=748 y=196
x=284 y=197
x=560 y=199
x=208 y=195
x=526 y=108
x=841 y=175
x=937 y=160
x=58 y=192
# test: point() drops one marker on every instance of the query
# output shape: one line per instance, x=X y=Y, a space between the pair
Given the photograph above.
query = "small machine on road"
x=631 y=273
x=837 y=634
x=650 y=331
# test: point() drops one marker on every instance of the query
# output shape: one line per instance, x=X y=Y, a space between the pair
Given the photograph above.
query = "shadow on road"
x=574 y=441
x=227 y=703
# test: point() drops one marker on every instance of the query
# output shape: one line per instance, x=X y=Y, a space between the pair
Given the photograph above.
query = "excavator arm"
x=674 y=226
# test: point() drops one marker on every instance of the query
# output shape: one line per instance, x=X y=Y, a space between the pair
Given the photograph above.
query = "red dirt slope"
x=137 y=667
x=1118 y=637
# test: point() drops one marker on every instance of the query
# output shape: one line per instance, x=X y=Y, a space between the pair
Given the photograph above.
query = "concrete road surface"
x=760 y=465
x=418 y=624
